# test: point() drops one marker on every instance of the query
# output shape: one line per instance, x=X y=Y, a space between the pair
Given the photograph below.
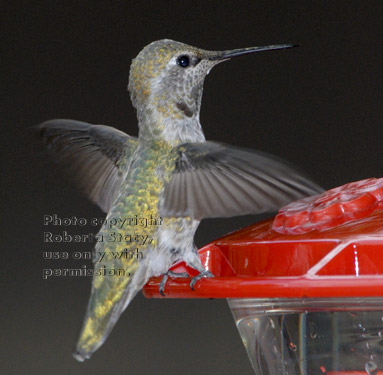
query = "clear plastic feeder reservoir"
x=305 y=288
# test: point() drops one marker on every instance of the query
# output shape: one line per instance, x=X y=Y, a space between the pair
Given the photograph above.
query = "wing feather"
x=217 y=180
x=95 y=156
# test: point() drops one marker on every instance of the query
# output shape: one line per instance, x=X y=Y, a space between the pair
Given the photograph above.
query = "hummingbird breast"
x=134 y=227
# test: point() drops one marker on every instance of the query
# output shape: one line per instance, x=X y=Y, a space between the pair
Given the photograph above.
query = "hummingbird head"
x=166 y=78
x=169 y=76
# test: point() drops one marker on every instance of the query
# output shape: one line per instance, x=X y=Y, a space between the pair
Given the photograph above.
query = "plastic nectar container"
x=305 y=288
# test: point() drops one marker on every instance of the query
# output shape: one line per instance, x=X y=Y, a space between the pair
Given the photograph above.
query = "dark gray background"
x=318 y=106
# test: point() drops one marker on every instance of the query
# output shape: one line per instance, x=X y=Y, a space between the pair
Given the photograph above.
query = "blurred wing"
x=95 y=155
x=218 y=180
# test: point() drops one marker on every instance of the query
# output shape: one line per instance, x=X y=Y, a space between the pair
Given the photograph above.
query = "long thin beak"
x=223 y=55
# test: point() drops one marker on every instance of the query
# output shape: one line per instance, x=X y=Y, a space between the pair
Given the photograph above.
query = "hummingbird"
x=161 y=184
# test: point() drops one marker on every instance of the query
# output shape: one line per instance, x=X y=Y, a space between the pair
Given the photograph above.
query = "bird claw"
x=172 y=275
x=202 y=274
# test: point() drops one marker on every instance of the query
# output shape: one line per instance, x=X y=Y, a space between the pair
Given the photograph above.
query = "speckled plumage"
x=159 y=118
x=139 y=195
x=169 y=173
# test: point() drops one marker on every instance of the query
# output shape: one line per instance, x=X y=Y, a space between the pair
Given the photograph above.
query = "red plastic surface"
x=334 y=207
x=259 y=262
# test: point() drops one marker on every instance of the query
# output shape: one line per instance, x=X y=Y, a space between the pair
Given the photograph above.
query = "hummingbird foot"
x=204 y=273
x=173 y=275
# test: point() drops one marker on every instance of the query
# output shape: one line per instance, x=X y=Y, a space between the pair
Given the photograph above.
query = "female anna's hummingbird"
x=156 y=188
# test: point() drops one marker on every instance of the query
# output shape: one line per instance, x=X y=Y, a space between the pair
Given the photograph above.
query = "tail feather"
x=110 y=296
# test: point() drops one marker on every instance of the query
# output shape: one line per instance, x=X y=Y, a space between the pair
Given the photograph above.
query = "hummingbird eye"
x=183 y=61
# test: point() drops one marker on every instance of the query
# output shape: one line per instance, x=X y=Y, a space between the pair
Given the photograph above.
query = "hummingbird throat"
x=175 y=120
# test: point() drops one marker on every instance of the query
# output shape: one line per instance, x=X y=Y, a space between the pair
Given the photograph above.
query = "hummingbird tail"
x=109 y=298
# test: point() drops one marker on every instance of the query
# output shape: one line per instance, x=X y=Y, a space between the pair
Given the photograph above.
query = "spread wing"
x=94 y=155
x=217 y=180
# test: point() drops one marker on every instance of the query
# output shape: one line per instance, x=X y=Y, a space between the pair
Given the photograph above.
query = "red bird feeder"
x=305 y=288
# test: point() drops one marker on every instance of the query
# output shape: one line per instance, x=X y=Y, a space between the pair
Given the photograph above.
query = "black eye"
x=183 y=61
